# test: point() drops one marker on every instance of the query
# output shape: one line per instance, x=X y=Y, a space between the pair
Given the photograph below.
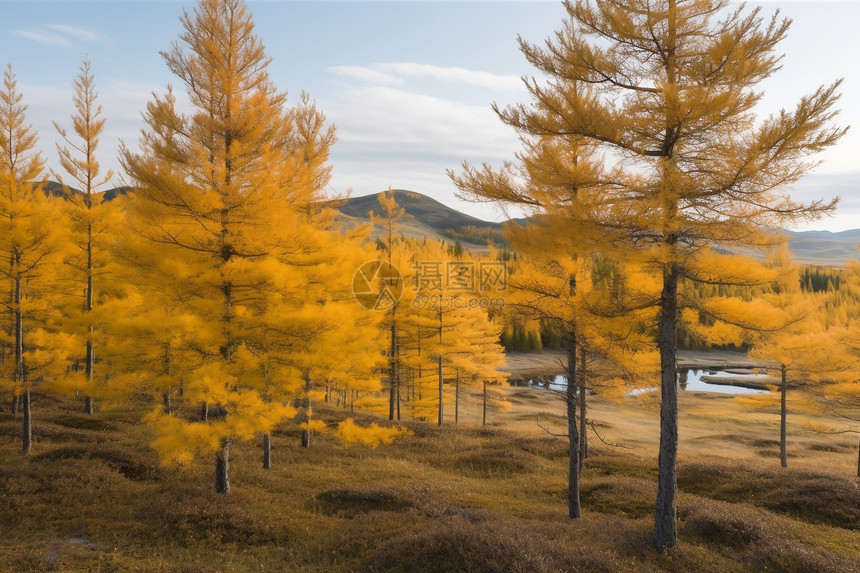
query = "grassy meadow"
x=93 y=497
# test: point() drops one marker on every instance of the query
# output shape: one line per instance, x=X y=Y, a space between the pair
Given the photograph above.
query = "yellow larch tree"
x=389 y=279
x=91 y=221
x=663 y=93
x=31 y=350
x=476 y=358
x=227 y=194
x=839 y=356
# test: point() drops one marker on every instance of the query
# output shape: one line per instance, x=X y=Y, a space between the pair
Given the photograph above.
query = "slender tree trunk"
x=665 y=526
x=440 y=392
x=457 y=398
x=583 y=434
x=392 y=368
x=20 y=376
x=27 y=434
x=16 y=400
x=27 y=427
x=267 y=451
x=89 y=368
x=783 y=456
x=222 y=468
x=484 y=407
x=166 y=399
x=204 y=412
x=306 y=432
x=440 y=366
x=574 y=509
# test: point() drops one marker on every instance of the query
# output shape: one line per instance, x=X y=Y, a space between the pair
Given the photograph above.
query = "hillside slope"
x=427 y=217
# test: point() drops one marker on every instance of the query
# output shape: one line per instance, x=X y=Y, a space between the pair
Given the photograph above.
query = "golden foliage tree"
x=91 y=219
x=663 y=95
x=227 y=199
x=30 y=352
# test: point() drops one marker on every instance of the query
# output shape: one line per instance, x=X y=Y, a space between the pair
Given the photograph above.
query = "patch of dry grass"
x=93 y=497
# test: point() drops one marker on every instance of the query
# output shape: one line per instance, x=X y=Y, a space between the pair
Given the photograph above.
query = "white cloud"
x=455 y=75
x=75 y=32
x=365 y=74
x=397 y=73
x=45 y=38
x=58 y=35
x=399 y=121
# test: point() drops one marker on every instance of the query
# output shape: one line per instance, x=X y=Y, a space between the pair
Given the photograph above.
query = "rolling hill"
x=426 y=217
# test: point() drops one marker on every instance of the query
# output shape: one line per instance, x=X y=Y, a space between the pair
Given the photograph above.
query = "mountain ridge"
x=429 y=217
x=426 y=217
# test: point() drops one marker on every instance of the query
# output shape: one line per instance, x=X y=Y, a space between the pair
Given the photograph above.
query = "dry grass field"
x=93 y=496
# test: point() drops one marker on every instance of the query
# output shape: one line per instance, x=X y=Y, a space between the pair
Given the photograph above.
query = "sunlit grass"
x=93 y=497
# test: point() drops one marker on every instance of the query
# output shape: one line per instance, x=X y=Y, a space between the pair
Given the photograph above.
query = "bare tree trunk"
x=89 y=368
x=222 y=468
x=305 y=417
x=392 y=368
x=665 y=525
x=204 y=412
x=440 y=366
x=267 y=452
x=457 y=399
x=16 y=401
x=783 y=455
x=574 y=508
x=583 y=434
x=484 y=420
x=27 y=434
x=441 y=411
x=166 y=399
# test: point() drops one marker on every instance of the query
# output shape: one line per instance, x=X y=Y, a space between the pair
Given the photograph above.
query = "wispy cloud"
x=366 y=75
x=59 y=35
x=75 y=32
x=454 y=75
x=396 y=73
x=44 y=38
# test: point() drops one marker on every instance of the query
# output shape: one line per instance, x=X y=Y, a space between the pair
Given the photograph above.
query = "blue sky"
x=407 y=83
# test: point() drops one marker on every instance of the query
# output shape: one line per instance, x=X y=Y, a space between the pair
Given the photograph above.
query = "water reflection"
x=693 y=382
